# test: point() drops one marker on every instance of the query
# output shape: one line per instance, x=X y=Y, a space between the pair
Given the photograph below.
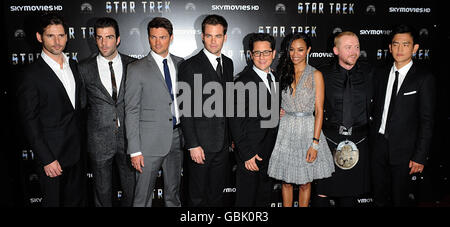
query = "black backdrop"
x=370 y=20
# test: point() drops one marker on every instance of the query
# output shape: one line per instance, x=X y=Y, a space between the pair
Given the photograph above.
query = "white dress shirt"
x=105 y=73
x=65 y=75
x=401 y=77
x=263 y=76
x=213 y=59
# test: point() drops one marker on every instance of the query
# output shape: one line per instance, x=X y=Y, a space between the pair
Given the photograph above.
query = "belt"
x=346 y=131
x=299 y=114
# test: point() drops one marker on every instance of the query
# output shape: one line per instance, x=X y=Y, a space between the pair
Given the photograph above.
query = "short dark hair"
x=51 y=19
x=160 y=22
x=403 y=28
x=105 y=22
x=215 y=19
x=255 y=37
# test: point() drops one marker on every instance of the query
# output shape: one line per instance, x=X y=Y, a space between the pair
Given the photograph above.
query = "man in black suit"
x=207 y=136
x=403 y=121
x=103 y=76
x=254 y=142
x=49 y=103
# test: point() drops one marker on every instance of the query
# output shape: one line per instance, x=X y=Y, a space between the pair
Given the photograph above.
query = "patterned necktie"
x=113 y=82
x=169 y=86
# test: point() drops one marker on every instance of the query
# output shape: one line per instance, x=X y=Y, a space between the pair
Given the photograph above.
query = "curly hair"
x=285 y=67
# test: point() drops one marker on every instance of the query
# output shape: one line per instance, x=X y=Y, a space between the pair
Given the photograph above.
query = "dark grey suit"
x=105 y=141
x=150 y=130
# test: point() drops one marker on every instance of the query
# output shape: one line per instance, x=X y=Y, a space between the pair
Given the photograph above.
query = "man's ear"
x=118 y=41
x=335 y=51
x=39 y=37
x=416 y=47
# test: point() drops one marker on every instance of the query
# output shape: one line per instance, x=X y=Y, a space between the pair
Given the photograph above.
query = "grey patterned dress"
x=288 y=161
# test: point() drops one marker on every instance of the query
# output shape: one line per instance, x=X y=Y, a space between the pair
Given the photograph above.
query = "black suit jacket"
x=249 y=138
x=103 y=137
x=411 y=124
x=211 y=133
x=53 y=127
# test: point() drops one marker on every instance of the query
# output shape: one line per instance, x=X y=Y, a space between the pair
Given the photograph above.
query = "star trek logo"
x=421 y=54
x=322 y=8
x=125 y=7
x=280 y=31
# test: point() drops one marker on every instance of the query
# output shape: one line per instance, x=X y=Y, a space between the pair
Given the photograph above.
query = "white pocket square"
x=410 y=93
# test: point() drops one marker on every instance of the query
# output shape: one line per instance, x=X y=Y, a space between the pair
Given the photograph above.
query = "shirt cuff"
x=135 y=154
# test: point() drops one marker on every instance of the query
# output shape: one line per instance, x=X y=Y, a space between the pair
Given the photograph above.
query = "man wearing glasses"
x=254 y=143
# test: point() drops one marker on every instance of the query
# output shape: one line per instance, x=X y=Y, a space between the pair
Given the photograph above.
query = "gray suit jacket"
x=148 y=116
x=103 y=138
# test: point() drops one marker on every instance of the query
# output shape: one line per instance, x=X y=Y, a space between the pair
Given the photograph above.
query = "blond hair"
x=346 y=33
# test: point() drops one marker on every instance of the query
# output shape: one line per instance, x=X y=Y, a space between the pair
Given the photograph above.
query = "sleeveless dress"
x=296 y=130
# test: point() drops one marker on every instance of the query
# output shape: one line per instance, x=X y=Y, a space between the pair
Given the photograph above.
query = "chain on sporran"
x=346 y=154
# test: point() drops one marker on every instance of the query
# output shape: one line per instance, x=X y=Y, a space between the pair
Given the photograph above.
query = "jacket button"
x=370 y=118
x=170 y=119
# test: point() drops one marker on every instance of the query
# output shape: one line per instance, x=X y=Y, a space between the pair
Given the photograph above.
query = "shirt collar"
x=212 y=57
x=261 y=73
x=115 y=60
x=404 y=70
x=52 y=63
x=158 y=58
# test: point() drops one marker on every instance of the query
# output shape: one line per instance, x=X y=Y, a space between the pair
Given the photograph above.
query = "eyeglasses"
x=264 y=53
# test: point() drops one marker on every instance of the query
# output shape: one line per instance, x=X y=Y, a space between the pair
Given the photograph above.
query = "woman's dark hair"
x=285 y=66
x=106 y=22
x=160 y=22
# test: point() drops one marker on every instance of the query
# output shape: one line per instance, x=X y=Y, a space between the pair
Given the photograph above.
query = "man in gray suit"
x=104 y=76
x=152 y=118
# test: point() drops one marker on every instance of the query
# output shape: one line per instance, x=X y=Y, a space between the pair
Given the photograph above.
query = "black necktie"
x=113 y=82
x=169 y=86
x=392 y=102
x=347 y=119
x=269 y=78
x=219 y=68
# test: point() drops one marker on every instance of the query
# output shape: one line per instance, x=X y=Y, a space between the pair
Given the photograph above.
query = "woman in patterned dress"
x=300 y=155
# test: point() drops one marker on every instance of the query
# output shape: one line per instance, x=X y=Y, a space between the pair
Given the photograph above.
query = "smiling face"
x=107 y=42
x=347 y=49
x=298 y=51
x=403 y=48
x=262 y=55
x=214 y=38
x=53 y=40
x=160 y=41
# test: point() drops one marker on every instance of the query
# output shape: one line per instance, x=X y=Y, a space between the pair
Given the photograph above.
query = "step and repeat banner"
x=372 y=21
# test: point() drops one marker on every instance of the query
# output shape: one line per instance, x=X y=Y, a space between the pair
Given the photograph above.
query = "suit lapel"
x=122 y=81
x=211 y=71
x=383 y=86
x=97 y=81
x=53 y=77
x=409 y=78
x=159 y=75
x=76 y=74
